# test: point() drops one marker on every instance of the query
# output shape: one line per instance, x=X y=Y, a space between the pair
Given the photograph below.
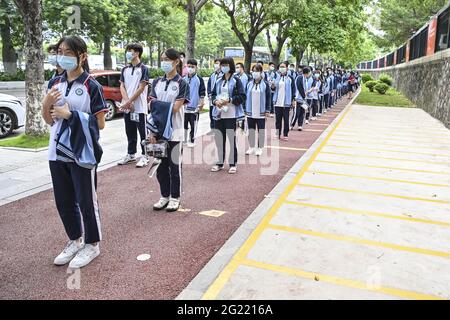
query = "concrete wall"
x=425 y=81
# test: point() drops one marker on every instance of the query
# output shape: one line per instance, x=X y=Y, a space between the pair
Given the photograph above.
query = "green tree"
x=11 y=32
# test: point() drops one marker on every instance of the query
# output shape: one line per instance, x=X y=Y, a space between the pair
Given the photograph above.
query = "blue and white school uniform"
x=258 y=102
x=132 y=77
x=211 y=84
x=282 y=100
x=302 y=85
x=271 y=77
x=75 y=186
x=169 y=171
x=197 y=93
x=315 y=97
x=226 y=119
x=244 y=79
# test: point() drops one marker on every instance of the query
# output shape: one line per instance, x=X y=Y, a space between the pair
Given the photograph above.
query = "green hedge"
x=366 y=77
x=371 y=84
x=386 y=79
x=20 y=76
x=381 y=88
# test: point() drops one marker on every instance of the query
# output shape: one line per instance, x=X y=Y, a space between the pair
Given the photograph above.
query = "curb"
x=206 y=277
x=25 y=149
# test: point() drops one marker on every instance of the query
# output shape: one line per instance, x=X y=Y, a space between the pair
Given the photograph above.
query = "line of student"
x=75 y=100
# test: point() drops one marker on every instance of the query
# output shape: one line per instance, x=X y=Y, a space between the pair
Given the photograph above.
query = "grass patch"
x=392 y=98
x=24 y=141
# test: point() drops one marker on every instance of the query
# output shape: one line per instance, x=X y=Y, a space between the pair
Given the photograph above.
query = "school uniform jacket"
x=197 y=92
x=237 y=95
x=289 y=95
x=264 y=101
x=300 y=88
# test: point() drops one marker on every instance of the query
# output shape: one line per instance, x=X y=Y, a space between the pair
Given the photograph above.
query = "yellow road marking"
x=387 y=150
x=368 y=213
x=366 y=242
x=380 y=179
x=388 y=144
x=340 y=281
x=374 y=193
x=384 y=167
x=286 y=148
x=237 y=259
x=386 y=158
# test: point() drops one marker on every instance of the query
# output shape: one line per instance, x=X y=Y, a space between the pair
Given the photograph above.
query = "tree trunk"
x=9 y=55
x=299 y=57
x=159 y=54
x=34 y=79
x=248 y=49
x=190 y=35
x=107 y=60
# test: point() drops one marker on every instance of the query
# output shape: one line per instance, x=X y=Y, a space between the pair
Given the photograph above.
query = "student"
x=261 y=63
x=351 y=85
x=257 y=106
x=283 y=100
x=325 y=92
x=303 y=85
x=292 y=72
x=196 y=100
x=184 y=70
x=314 y=94
x=228 y=95
x=52 y=54
x=74 y=186
x=211 y=83
x=240 y=72
x=134 y=89
x=171 y=88
x=271 y=77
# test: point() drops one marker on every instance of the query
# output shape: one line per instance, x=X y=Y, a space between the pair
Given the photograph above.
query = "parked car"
x=110 y=81
x=12 y=114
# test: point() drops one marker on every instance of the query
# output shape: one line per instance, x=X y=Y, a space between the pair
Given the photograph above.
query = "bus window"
x=234 y=53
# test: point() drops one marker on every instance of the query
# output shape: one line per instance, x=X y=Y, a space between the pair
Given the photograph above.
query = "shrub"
x=366 y=77
x=381 y=87
x=386 y=79
x=371 y=84
x=20 y=76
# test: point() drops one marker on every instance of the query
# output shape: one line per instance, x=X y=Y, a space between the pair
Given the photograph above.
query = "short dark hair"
x=291 y=65
x=283 y=62
x=136 y=47
x=306 y=70
x=52 y=47
x=241 y=65
x=217 y=60
x=257 y=68
x=271 y=63
x=182 y=54
x=260 y=61
x=229 y=61
x=192 y=61
x=173 y=55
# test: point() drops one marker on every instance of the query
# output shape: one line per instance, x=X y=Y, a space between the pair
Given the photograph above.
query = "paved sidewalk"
x=24 y=173
x=364 y=214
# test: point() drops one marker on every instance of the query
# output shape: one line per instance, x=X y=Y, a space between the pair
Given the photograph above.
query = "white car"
x=12 y=114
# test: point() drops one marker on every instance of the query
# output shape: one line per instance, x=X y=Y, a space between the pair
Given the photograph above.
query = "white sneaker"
x=143 y=162
x=250 y=151
x=161 y=204
x=190 y=145
x=313 y=118
x=85 y=256
x=127 y=159
x=70 y=251
x=259 y=152
x=174 y=205
x=300 y=128
x=216 y=168
x=232 y=170
x=291 y=128
x=319 y=114
x=306 y=121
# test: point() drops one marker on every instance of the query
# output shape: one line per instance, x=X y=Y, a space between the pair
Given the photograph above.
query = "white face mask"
x=216 y=66
x=283 y=70
x=166 y=66
x=272 y=68
x=256 y=75
x=191 y=70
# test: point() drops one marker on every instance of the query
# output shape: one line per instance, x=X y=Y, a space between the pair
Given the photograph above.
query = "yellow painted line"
x=387 y=150
x=368 y=213
x=380 y=179
x=358 y=135
x=388 y=144
x=340 y=281
x=383 y=167
x=312 y=130
x=338 y=237
x=286 y=148
x=237 y=259
x=386 y=158
x=388 y=195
